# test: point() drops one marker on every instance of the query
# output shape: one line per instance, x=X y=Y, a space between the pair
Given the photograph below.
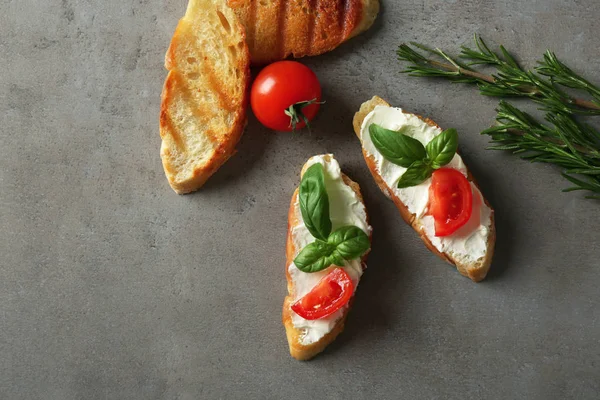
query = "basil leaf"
x=316 y=256
x=337 y=259
x=442 y=148
x=417 y=173
x=346 y=243
x=349 y=241
x=397 y=147
x=314 y=202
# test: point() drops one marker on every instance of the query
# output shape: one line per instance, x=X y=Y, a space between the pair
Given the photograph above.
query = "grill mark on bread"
x=199 y=109
x=343 y=18
x=278 y=43
x=215 y=85
x=327 y=30
x=310 y=30
x=353 y=10
x=165 y=120
x=168 y=129
x=251 y=32
x=281 y=23
x=336 y=35
x=177 y=84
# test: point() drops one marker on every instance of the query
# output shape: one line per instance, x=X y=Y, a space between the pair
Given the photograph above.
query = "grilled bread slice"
x=474 y=270
x=276 y=29
x=298 y=350
x=203 y=109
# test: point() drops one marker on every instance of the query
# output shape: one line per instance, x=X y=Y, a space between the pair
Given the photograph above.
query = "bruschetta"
x=469 y=245
x=321 y=290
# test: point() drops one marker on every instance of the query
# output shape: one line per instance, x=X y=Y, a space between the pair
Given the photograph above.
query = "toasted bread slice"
x=298 y=350
x=203 y=110
x=276 y=29
x=474 y=270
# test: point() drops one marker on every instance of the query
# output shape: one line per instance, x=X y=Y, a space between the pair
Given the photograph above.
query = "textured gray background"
x=113 y=287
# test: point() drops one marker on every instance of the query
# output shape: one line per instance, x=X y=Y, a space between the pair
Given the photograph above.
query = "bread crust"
x=477 y=271
x=297 y=349
x=277 y=29
x=179 y=85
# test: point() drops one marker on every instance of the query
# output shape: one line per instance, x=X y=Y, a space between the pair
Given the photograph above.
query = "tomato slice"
x=332 y=292
x=450 y=200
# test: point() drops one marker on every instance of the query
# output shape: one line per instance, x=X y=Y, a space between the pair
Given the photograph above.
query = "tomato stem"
x=295 y=113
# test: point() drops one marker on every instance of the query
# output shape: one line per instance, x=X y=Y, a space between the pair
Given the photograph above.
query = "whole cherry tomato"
x=285 y=96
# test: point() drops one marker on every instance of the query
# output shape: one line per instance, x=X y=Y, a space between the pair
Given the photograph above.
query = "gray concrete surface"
x=113 y=287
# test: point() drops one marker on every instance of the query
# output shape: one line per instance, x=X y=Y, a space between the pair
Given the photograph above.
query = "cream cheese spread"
x=469 y=243
x=345 y=208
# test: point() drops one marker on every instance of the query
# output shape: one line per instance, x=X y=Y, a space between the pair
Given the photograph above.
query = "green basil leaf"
x=346 y=243
x=314 y=202
x=336 y=258
x=417 y=173
x=316 y=256
x=442 y=148
x=397 y=147
x=349 y=241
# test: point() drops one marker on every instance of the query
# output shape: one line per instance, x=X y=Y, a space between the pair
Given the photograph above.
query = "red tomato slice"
x=450 y=200
x=281 y=85
x=332 y=292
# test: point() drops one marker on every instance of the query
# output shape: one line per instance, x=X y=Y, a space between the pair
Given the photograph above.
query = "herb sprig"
x=563 y=140
x=511 y=80
x=345 y=243
x=568 y=144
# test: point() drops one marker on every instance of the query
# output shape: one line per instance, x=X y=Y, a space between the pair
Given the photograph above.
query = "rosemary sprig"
x=510 y=80
x=567 y=144
x=563 y=140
